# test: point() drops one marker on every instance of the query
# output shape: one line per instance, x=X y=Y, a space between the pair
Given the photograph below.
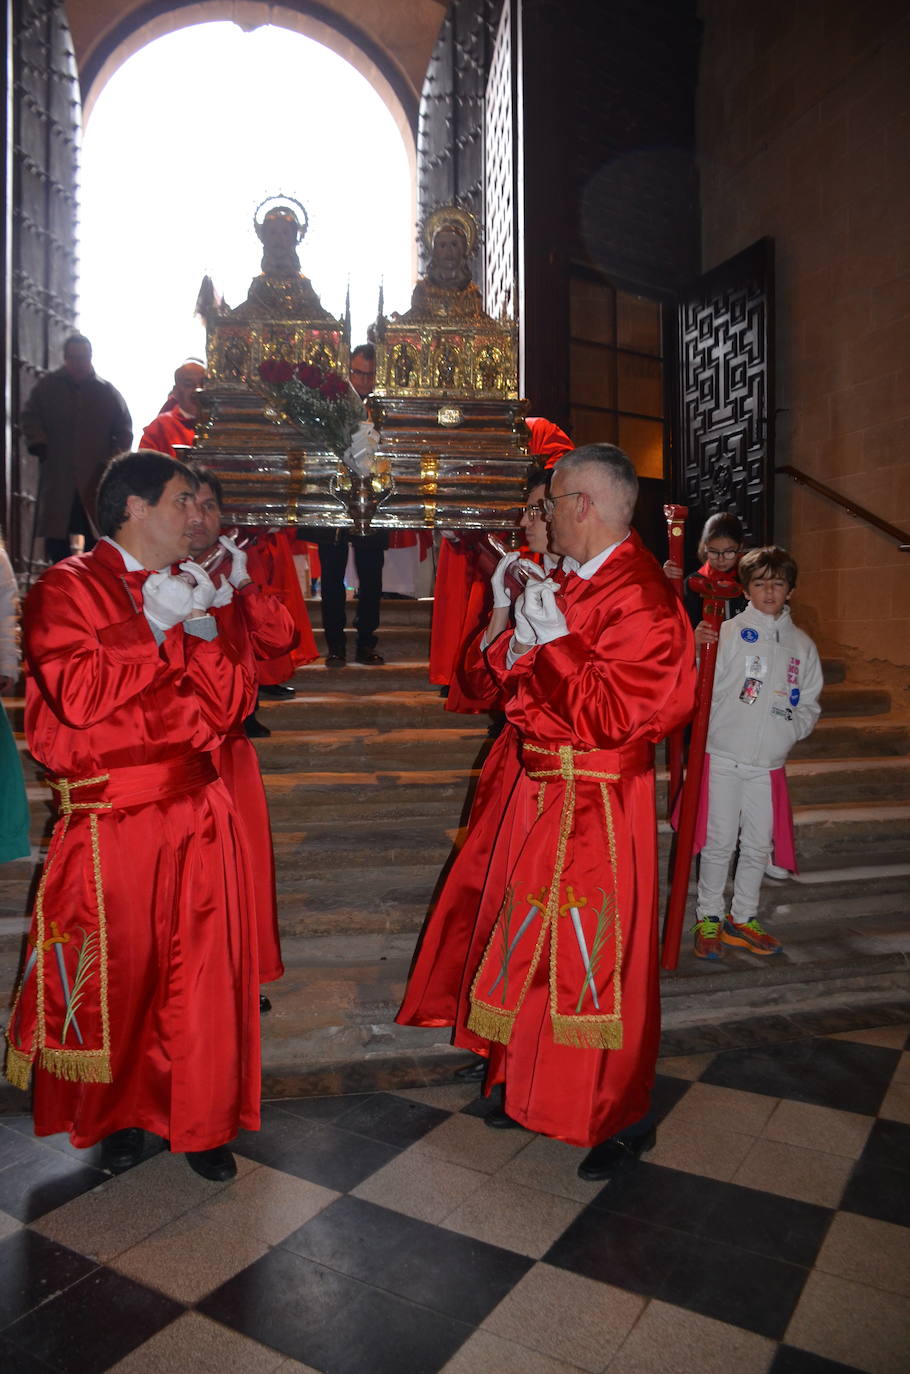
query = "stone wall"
x=803 y=129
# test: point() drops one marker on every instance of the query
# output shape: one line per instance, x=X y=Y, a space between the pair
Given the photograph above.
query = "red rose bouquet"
x=320 y=403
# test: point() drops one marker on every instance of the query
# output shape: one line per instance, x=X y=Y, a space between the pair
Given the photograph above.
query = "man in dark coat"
x=74 y=422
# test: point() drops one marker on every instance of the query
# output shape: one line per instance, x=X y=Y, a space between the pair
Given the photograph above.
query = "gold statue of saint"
x=447 y=292
x=281 y=291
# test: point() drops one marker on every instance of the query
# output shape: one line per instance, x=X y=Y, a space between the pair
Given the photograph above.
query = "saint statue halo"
x=279 y=208
x=453 y=217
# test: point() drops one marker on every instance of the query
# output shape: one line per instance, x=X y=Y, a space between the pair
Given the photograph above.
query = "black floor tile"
x=43 y=1179
x=330 y=1321
x=91 y=1157
x=876 y=1191
x=439 y=1269
x=15 y=1145
x=666 y=1093
x=316 y=1108
x=762 y=1223
x=717 y=1280
x=394 y=1120
x=888 y=1145
x=314 y=1151
x=13 y=1361
x=32 y=1269
x=93 y=1324
x=789 y=1360
x=830 y=1073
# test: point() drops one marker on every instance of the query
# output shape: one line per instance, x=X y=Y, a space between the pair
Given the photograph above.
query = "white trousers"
x=739 y=804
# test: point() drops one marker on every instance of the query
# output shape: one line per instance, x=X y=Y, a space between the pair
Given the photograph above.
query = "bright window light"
x=186 y=138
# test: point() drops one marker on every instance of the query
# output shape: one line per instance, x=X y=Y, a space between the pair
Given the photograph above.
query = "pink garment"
x=783 y=840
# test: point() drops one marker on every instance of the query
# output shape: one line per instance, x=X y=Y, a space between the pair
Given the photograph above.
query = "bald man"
x=177 y=423
x=559 y=989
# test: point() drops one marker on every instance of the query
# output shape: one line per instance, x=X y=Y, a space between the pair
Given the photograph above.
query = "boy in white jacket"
x=766 y=689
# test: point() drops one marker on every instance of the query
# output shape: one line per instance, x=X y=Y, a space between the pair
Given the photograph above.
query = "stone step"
x=844 y=699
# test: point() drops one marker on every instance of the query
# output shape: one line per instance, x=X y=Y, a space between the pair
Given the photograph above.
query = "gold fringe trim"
x=77 y=1066
x=18 y=1069
x=491 y=1025
x=589 y=1034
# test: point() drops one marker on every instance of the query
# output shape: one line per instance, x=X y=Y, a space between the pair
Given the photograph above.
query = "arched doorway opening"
x=182 y=141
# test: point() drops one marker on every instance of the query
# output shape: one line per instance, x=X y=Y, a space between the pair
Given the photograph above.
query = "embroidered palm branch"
x=505 y=931
x=603 y=930
x=88 y=957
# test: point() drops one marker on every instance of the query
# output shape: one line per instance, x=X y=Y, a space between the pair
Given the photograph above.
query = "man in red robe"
x=553 y=974
x=271 y=560
x=138 y=1005
x=176 y=423
x=260 y=629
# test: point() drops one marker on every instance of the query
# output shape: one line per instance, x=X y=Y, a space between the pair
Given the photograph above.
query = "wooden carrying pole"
x=676 y=528
x=714 y=591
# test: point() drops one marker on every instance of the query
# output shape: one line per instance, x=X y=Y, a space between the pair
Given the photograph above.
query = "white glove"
x=540 y=611
x=205 y=594
x=501 y=595
x=238 y=574
x=362 y=450
x=167 y=600
x=524 y=630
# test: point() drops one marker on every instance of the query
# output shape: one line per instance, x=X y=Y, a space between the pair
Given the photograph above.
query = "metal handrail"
x=859 y=512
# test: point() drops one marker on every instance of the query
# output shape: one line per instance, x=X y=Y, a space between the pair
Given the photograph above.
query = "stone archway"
x=389 y=43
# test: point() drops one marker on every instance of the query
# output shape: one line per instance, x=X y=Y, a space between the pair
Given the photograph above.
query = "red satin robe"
x=618 y=682
x=182 y=973
x=166 y=430
x=271 y=566
x=261 y=629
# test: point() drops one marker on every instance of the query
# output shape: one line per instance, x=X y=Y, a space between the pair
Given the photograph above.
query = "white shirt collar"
x=587 y=570
x=132 y=564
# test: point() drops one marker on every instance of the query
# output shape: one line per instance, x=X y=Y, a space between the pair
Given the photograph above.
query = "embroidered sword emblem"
x=572 y=906
x=538 y=903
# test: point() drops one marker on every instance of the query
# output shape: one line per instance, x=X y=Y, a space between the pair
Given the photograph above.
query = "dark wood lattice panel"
x=499 y=140
x=450 y=127
x=726 y=380
x=46 y=133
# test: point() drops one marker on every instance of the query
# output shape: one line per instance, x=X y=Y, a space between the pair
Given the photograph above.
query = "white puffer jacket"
x=766 y=689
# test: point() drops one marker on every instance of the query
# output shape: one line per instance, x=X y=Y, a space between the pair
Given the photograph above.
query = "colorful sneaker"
x=707 y=937
x=749 y=936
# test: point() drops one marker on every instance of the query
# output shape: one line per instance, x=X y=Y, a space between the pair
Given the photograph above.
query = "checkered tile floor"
x=392 y=1233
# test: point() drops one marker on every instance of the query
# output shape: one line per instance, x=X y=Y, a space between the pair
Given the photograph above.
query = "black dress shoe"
x=616 y=1154
x=216 y=1165
x=277 y=689
x=254 y=729
x=122 y=1150
x=369 y=657
x=497 y=1120
x=335 y=660
x=264 y=1004
x=471 y=1073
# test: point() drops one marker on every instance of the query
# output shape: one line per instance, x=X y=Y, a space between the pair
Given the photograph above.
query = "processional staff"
x=676 y=527
x=714 y=591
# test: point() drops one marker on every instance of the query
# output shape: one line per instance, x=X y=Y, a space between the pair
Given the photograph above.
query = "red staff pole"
x=714 y=591
x=676 y=527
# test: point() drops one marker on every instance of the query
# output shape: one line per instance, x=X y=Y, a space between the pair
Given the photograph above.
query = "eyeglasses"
x=537 y=511
x=549 y=502
x=721 y=553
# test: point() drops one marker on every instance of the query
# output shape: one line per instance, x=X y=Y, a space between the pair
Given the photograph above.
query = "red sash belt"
x=133 y=786
x=545 y=761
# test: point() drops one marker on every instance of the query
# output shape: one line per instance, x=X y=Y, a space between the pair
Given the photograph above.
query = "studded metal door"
x=40 y=223
x=725 y=459
x=450 y=130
